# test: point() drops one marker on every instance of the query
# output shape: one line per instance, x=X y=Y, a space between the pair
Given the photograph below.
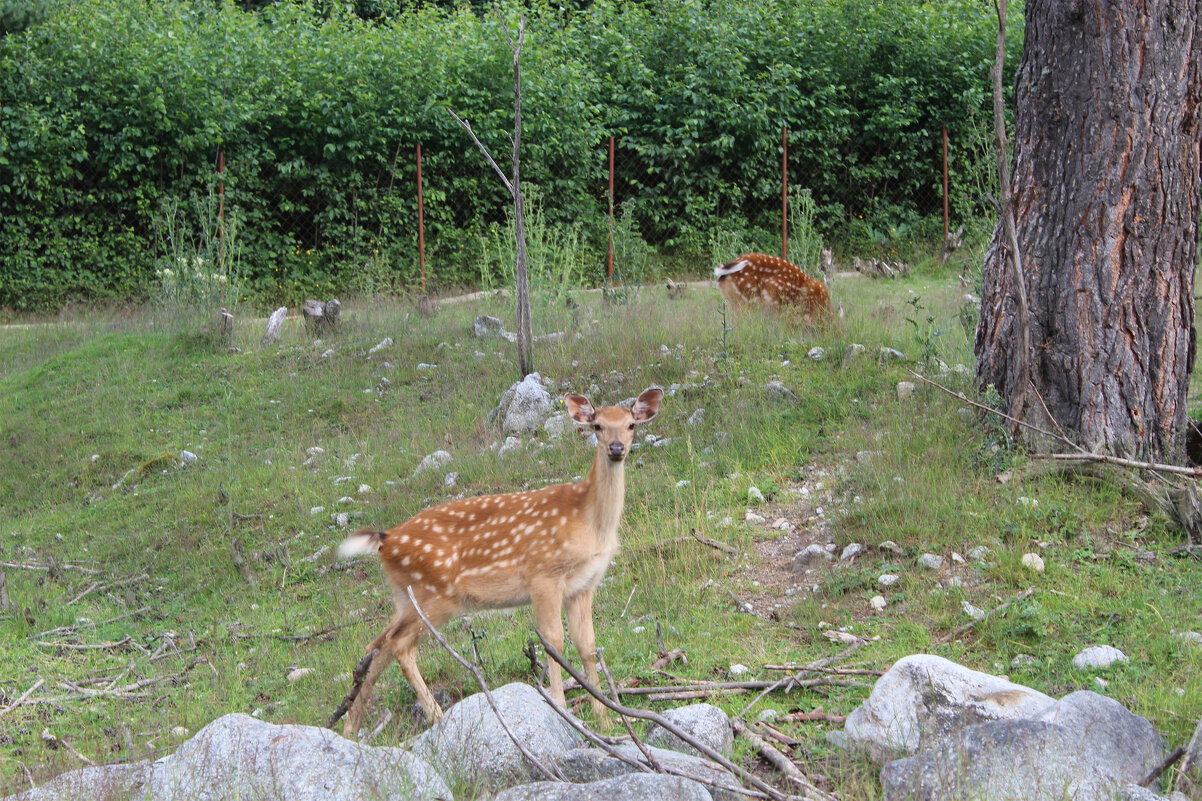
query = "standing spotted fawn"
x=775 y=283
x=546 y=547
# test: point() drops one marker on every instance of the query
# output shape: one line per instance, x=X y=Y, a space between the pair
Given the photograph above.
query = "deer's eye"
x=596 y=426
x=631 y=426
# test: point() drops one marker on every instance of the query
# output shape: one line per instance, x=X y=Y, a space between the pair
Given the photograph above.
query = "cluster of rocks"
x=238 y=756
x=942 y=731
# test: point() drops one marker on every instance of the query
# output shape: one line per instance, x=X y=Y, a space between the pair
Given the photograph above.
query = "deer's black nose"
x=616 y=451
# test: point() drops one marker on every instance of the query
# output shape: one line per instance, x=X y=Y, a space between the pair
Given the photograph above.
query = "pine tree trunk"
x=1106 y=199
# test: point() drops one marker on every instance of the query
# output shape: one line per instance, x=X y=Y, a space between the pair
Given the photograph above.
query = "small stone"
x=767 y=714
x=754 y=495
x=957 y=558
x=1033 y=561
x=187 y=457
x=697 y=417
x=851 y=551
x=433 y=460
x=776 y=391
x=1023 y=660
x=751 y=517
x=364 y=489
x=878 y=603
x=892 y=547
x=739 y=670
x=684 y=482
x=1101 y=682
x=511 y=444
x=425 y=366
x=905 y=390
x=817 y=353
x=887 y=579
x=327 y=353
x=450 y=480
x=179 y=733
x=298 y=674
x=781 y=524
x=1190 y=637
x=341 y=519
x=931 y=561
x=1098 y=656
x=891 y=355
x=316 y=510
x=979 y=553
x=972 y=611
x=316 y=450
x=810 y=555
x=386 y=342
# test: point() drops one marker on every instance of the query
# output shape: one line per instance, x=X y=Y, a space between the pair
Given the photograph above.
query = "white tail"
x=773 y=282
x=543 y=547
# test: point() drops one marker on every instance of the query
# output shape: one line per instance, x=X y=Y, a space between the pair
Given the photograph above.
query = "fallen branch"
x=45 y=568
x=1178 y=752
x=816 y=715
x=946 y=638
x=778 y=760
x=69 y=646
x=614 y=706
x=721 y=546
x=357 y=676
x=668 y=658
x=22 y=698
x=1191 y=751
x=96 y=585
x=613 y=688
x=550 y=773
x=77 y=626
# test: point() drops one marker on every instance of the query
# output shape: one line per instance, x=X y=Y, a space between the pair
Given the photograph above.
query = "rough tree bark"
x=1106 y=198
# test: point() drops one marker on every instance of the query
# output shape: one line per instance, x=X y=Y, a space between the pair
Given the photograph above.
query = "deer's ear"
x=647 y=405
x=580 y=409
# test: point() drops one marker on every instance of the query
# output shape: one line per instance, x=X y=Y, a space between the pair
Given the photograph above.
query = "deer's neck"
x=605 y=490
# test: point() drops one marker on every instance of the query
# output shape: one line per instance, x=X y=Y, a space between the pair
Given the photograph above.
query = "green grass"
x=85 y=401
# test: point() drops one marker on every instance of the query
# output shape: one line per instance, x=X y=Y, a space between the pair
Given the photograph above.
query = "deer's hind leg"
x=382 y=659
x=406 y=635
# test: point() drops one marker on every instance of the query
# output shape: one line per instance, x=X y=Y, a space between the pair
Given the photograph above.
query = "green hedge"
x=113 y=112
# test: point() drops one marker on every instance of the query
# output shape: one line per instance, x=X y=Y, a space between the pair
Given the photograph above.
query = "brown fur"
x=547 y=547
x=757 y=278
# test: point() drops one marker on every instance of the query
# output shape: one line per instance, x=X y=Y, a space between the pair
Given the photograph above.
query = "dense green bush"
x=112 y=112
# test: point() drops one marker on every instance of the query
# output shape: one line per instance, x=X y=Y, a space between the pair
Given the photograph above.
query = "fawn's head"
x=614 y=425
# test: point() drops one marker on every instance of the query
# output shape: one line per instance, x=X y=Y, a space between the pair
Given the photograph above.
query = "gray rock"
x=635 y=787
x=697 y=417
x=187 y=457
x=275 y=323
x=557 y=425
x=593 y=764
x=470 y=743
x=486 y=326
x=905 y=390
x=510 y=445
x=931 y=561
x=928 y=697
x=526 y=404
x=1098 y=656
x=853 y=350
x=1031 y=759
x=887 y=579
x=851 y=551
x=891 y=355
x=809 y=556
x=103 y=783
x=776 y=391
x=383 y=344
x=237 y=756
x=432 y=461
x=817 y=353
x=704 y=722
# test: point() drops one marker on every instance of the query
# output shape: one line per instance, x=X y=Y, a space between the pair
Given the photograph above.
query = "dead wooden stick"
x=77 y=626
x=1178 y=752
x=779 y=761
x=816 y=715
x=704 y=540
x=1190 y=752
x=22 y=698
x=953 y=635
x=550 y=773
x=668 y=658
x=70 y=646
x=614 y=706
x=831 y=671
x=357 y=676
x=613 y=688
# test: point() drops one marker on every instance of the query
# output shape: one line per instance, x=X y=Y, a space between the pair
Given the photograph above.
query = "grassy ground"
x=129 y=606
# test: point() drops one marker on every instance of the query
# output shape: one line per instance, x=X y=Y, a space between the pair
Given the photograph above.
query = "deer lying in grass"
x=546 y=547
x=774 y=283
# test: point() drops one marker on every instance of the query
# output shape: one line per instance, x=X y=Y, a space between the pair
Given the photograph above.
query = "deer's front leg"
x=547 y=599
x=580 y=626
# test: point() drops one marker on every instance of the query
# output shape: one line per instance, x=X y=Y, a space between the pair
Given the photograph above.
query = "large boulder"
x=237 y=756
x=635 y=787
x=469 y=743
x=928 y=697
x=526 y=404
x=703 y=722
x=1023 y=760
x=582 y=765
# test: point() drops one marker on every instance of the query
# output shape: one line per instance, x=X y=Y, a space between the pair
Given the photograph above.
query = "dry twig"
x=954 y=634
x=22 y=698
